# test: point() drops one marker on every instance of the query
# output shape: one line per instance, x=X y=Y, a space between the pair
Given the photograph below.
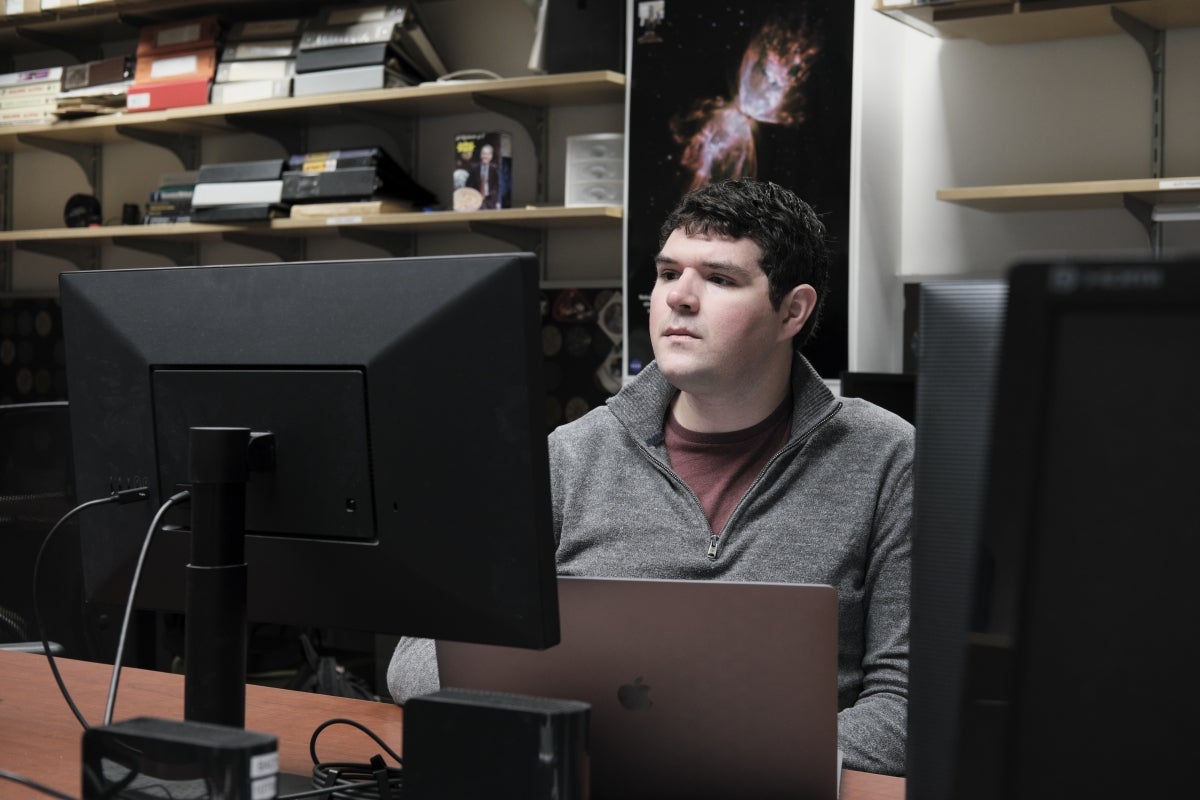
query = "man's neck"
x=706 y=413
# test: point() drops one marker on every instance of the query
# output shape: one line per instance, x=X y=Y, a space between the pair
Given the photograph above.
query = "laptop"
x=698 y=689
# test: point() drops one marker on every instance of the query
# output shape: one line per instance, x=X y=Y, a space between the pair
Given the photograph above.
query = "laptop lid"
x=698 y=689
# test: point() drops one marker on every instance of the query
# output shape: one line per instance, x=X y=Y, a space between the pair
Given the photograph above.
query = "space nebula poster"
x=739 y=88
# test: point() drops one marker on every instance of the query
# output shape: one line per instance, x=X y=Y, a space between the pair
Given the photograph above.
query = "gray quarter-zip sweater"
x=832 y=507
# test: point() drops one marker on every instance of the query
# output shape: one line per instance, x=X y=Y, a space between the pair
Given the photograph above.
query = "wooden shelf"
x=1075 y=195
x=1013 y=21
x=576 y=89
x=539 y=218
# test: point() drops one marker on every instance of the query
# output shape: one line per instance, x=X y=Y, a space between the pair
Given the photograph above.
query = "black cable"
x=133 y=587
x=122 y=497
x=353 y=781
x=15 y=778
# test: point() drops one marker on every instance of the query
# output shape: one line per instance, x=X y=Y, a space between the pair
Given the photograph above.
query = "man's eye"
x=666 y=275
x=720 y=280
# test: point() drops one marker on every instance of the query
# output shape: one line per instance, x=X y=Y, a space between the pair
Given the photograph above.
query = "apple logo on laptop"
x=635 y=696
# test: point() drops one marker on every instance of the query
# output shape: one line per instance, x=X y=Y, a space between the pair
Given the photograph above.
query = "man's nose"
x=683 y=295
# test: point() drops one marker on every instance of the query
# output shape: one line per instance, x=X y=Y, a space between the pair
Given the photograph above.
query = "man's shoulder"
x=868 y=428
x=593 y=427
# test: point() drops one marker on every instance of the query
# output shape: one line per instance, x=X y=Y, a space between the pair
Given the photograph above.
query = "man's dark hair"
x=785 y=228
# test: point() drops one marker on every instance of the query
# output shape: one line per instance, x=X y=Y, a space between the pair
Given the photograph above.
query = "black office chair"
x=36 y=489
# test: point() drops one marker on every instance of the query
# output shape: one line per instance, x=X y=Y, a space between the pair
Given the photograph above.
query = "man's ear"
x=797 y=306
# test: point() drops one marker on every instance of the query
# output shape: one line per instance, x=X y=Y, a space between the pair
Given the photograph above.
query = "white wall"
x=941 y=113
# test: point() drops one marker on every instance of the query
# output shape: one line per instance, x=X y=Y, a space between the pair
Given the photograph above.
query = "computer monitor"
x=410 y=493
x=1083 y=612
x=959 y=331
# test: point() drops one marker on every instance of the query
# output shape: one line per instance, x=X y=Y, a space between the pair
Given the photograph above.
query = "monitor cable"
x=353 y=781
x=121 y=497
x=174 y=499
x=21 y=780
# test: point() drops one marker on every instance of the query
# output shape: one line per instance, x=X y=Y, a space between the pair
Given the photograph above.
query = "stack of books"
x=29 y=97
x=176 y=62
x=172 y=200
x=239 y=191
x=258 y=61
x=94 y=87
x=359 y=47
x=366 y=176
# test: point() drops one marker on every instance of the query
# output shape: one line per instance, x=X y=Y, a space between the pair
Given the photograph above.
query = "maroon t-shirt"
x=719 y=467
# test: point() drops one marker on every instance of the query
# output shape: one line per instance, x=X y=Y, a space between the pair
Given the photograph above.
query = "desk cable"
x=353 y=781
x=121 y=497
x=174 y=499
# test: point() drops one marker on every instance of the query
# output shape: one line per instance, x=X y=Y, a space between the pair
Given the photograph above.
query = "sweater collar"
x=641 y=405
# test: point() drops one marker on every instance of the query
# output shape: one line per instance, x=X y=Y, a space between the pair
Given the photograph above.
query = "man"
x=728 y=458
x=485 y=176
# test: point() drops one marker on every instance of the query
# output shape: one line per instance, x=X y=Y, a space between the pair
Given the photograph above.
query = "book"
x=409 y=32
x=394 y=180
x=350 y=79
x=267 y=29
x=167 y=94
x=221 y=193
x=355 y=55
x=97 y=73
x=350 y=210
x=47 y=74
x=247 y=91
x=349 y=183
x=200 y=62
x=482 y=176
x=258 y=49
x=256 y=70
x=87 y=101
x=259 y=170
x=44 y=89
x=188 y=34
x=239 y=212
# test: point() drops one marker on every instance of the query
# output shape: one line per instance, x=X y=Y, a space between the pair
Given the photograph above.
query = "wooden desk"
x=40 y=738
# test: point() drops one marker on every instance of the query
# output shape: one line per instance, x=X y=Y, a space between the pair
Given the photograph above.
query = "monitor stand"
x=220 y=462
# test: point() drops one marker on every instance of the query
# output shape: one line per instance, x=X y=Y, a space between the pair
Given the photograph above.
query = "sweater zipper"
x=714 y=539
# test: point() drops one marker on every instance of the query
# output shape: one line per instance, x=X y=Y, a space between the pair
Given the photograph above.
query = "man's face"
x=485 y=154
x=712 y=325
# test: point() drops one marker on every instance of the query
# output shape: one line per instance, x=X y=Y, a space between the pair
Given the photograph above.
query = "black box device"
x=147 y=757
x=462 y=743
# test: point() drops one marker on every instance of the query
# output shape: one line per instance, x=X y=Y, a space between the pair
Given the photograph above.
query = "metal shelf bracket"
x=1143 y=212
x=285 y=248
x=87 y=156
x=180 y=253
x=81 y=255
x=185 y=148
x=1154 y=43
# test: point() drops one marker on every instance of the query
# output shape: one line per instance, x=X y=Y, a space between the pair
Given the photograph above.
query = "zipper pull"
x=713 y=539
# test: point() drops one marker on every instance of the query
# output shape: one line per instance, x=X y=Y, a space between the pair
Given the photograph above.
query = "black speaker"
x=461 y=744
x=584 y=35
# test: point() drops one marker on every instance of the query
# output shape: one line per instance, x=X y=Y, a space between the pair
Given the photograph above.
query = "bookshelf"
x=528 y=101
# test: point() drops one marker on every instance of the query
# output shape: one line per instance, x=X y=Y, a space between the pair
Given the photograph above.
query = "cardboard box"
x=482 y=170
x=167 y=94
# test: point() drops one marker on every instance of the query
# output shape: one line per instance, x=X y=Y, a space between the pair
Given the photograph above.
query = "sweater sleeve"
x=872 y=733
